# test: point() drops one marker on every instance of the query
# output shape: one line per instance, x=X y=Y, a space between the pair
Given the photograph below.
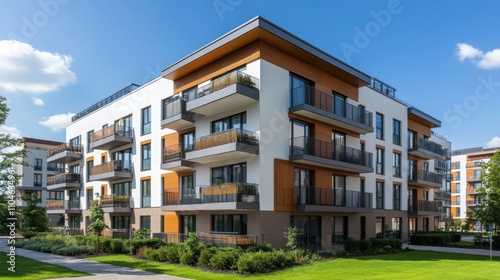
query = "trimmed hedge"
x=259 y=262
x=432 y=238
x=372 y=245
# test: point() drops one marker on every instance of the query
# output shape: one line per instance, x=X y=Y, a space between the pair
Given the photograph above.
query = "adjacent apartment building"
x=255 y=132
x=466 y=176
x=35 y=175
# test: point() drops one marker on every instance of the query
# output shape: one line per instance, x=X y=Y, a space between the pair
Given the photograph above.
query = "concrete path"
x=482 y=252
x=99 y=270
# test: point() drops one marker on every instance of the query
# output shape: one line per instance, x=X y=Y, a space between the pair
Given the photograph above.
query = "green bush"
x=455 y=237
x=259 y=248
x=281 y=259
x=105 y=245
x=56 y=247
x=74 y=250
x=134 y=245
x=351 y=245
x=225 y=258
x=153 y=255
x=430 y=238
x=250 y=263
x=378 y=243
x=206 y=255
x=116 y=246
x=365 y=246
x=172 y=253
x=46 y=248
x=188 y=258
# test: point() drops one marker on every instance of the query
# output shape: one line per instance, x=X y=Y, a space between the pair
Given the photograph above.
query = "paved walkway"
x=99 y=270
x=482 y=252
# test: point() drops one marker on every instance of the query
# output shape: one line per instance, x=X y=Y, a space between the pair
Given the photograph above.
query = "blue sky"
x=57 y=57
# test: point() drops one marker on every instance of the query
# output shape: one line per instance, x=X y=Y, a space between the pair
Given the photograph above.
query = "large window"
x=146 y=193
x=412 y=169
x=89 y=140
x=300 y=141
x=379 y=226
x=339 y=104
x=308 y=230
x=187 y=224
x=302 y=180
x=146 y=157
x=38 y=164
x=55 y=195
x=121 y=189
x=396 y=197
x=380 y=161
x=397 y=226
x=145 y=222
x=90 y=197
x=380 y=195
x=412 y=139
x=229 y=224
x=37 y=180
x=396 y=164
x=75 y=141
x=238 y=121
x=120 y=222
x=124 y=126
x=125 y=157
x=396 y=132
x=340 y=226
x=187 y=141
x=300 y=89
x=90 y=164
x=146 y=120
x=379 y=126
x=236 y=173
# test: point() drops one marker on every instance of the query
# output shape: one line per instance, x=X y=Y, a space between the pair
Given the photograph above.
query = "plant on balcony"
x=216 y=139
x=245 y=80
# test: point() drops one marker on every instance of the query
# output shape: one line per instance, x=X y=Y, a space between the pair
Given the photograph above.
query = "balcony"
x=442 y=195
x=425 y=207
x=111 y=137
x=222 y=146
x=65 y=153
x=110 y=171
x=327 y=154
x=332 y=200
x=444 y=217
x=474 y=164
x=317 y=105
x=455 y=178
x=474 y=178
x=228 y=196
x=174 y=114
x=174 y=159
x=230 y=91
x=443 y=165
x=472 y=202
x=63 y=207
x=425 y=178
x=64 y=181
x=472 y=190
x=219 y=239
x=115 y=203
x=427 y=149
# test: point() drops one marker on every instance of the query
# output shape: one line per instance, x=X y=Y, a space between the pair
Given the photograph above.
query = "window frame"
x=379 y=130
x=146 y=157
x=146 y=120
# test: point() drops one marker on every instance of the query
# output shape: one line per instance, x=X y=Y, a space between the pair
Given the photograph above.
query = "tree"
x=11 y=154
x=97 y=224
x=455 y=224
x=488 y=211
x=35 y=218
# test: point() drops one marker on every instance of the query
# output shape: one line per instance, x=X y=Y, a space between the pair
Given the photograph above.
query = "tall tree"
x=488 y=211
x=11 y=154
x=35 y=218
x=97 y=224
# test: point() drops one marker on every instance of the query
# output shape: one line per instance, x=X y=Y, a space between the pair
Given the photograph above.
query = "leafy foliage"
x=35 y=218
x=97 y=224
x=488 y=212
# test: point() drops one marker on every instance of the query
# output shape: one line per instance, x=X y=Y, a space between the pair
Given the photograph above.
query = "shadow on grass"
x=426 y=256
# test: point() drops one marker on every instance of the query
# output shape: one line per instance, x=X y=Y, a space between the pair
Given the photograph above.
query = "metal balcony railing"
x=111 y=130
x=229 y=79
x=229 y=239
x=424 y=175
x=324 y=101
x=425 y=206
x=441 y=194
x=63 y=205
x=64 y=178
x=234 y=135
x=228 y=192
x=66 y=147
x=473 y=164
x=173 y=107
x=309 y=195
x=112 y=200
x=174 y=152
x=428 y=145
x=329 y=150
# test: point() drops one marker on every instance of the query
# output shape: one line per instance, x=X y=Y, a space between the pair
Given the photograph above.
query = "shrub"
x=188 y=258
x=455 y=237
x=205 y=255
x=430 y=238
x=46 y=248
x=142 y=233
x=225 y=258
x=171 y=252
x=74 y=250
x=105 y=245
x=305 y=254
x=134 y=245
x=56 y=247
x=281 y=259
x=377 y=243
x=259 y=248
x=250 y=263
x=116 y=246
x=351 y=245
x=365 y=246
x=152 y=254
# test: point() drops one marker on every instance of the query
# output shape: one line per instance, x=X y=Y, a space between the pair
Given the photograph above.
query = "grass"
x=29 y=269
x=406 y=265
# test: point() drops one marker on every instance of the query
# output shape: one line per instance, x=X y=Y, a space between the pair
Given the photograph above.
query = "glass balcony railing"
x=227 y=192
x=226 y=137
x=309 y=195
x=64 y=178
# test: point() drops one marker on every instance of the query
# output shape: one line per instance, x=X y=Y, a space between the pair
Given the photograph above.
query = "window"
x=302 y=181
x=425 y=222
x=380 y=195
x=300 y=141
x=146 y=193
x=379 y=226
x=380 y=126
x=120 y=222
x=90 y=197
x=362 y=228
x=426 y=166
x=60 y=167
x=229 y=224
x=457 y=187
x=188 y=224
x=301 y=90
x=457 y=212
x=146 y=120
x=146 y=157
x=121 y=189
x=477 y=174
x=380 y=161
x=238 y=121
x=396 y=132
x=188 y=191
x=412 y=200
x=145 y=222
x=340 y=225
x=339 y=193
x=339 y=104
x=412 y=139
x=308 y=230
x=38 y=164
x=75 y=141
x=426 y=195
x=90 y=164
x=74 y=169
x=396 y=165
x=396 y=227
x=236 y=173
x=89 y=140
x=74 y=195
x=412 y=170
x=396 y=197
x=123 y=126
x=125 y=158
x=477 y=186
x=55 y=195
x=457 y=200
x=187 y=141
x=37 y=180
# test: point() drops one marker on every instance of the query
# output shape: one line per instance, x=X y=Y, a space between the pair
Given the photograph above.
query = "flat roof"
x=41 y=141
x=264 y=24
x=424 y=116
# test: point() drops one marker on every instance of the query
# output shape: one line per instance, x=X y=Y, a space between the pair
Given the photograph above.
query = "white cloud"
x=14 y=132
x=57 y=122
x=488 y=60
x=493 y=143
x=26 y=69
x=38 y=101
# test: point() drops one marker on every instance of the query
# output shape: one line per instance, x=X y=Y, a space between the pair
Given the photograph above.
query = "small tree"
x=35 y=218
x=291 y=238
x=488 y=211
x=455 y=224
x=97 y=217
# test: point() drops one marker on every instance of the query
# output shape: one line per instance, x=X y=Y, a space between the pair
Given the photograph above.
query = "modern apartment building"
x=34 y=177
x=466 y=176
x=255 y=132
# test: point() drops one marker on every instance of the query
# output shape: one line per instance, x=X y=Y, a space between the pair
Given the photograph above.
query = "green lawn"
x=406 y=265
x=30 y=269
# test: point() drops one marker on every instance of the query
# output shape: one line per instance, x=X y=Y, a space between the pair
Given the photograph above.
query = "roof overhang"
x=423 y=118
